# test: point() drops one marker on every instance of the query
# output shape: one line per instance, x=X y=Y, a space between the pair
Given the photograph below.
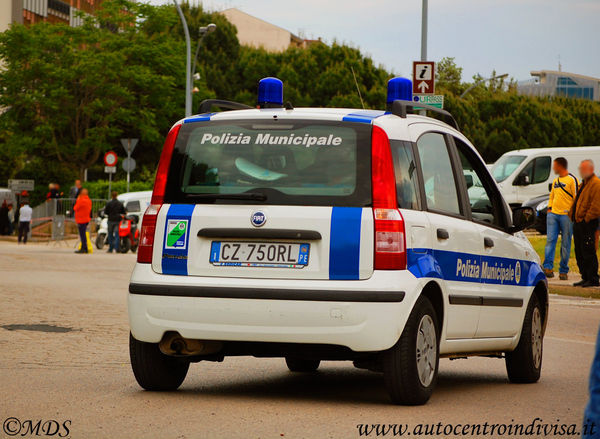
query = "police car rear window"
x=272 y=162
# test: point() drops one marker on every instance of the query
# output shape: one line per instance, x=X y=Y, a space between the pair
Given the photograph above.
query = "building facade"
x=557 y=83
x=254 y=32
x=51 y=11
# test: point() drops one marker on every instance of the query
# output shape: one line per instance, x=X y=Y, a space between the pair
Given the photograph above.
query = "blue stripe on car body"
x=199 y=118
x=443 y=264
x=174 y=260
x=344 y=247
x=364 y=116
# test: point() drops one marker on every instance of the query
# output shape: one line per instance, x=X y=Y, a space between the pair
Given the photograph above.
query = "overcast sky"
x=510 y=36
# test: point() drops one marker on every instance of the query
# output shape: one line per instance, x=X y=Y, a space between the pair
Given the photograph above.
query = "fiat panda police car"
x=331 y=234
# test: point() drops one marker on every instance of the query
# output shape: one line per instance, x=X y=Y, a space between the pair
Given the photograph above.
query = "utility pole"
x=424 y=39
x=424 y=31
x=188 y=62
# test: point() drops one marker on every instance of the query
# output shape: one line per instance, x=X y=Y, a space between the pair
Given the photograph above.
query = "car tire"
x=154 y=370
x=410 y=367
x=301 y=364
x=124 y=245
x=100 y=240
x=524 y=364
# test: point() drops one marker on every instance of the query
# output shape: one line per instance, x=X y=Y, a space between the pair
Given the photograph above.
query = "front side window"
x=536 y=171
x=483 y=199
x=407 y=183
x=272 y=162
x=438 y=179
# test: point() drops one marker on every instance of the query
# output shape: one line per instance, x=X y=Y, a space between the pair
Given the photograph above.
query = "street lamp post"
x=479 y=81
x=203 y=31
x=188 y=75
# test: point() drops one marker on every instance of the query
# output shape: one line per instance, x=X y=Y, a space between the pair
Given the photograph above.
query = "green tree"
x=71 y=92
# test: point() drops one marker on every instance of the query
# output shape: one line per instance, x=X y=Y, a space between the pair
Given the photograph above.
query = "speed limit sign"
x=110 y=158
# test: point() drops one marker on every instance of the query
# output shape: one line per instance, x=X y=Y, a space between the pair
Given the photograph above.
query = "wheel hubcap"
x=536 y=337
x=426 y=350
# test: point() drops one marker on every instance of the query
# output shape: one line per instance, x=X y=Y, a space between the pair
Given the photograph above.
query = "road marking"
x=567 y=340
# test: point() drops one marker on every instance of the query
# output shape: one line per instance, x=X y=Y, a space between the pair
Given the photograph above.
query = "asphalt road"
x=81 y=373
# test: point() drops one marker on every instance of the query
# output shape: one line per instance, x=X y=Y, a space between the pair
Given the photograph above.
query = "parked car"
x=540 y=205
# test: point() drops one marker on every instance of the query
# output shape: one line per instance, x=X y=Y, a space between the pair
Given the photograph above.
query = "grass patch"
x=539 y=243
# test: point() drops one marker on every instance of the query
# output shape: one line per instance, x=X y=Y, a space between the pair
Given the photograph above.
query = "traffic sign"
x=431 y=100
x=110 y=158
x=21 y=185
x=129 y=164
x=129 y=145
x=424 y=77
x=110 y=169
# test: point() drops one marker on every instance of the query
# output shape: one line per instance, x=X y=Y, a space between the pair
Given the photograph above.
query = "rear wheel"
x=100 y=240
x=301 y=365
x=124 y=245
x=410 y=367
x=154 y=370
x=524 y=364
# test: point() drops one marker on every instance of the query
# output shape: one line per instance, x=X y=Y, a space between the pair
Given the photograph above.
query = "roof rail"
x=400 y=108
x=207 y=104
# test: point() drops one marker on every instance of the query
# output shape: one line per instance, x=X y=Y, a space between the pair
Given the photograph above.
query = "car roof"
x=128 y=196
x=308 y=113
x=561 y=150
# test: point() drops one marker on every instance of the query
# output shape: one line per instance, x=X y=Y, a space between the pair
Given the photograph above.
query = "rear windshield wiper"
x=252 y=196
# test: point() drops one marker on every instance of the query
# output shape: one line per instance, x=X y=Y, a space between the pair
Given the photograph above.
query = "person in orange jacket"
x=83 y=215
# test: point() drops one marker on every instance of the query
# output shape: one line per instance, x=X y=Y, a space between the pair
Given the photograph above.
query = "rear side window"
x=407 y=183
x=284 y=162
x=133 y=206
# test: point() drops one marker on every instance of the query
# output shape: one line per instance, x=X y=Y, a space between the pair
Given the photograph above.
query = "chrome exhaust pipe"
x=174 y=344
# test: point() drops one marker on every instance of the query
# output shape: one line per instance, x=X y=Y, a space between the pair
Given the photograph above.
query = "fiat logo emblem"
x=258 y=219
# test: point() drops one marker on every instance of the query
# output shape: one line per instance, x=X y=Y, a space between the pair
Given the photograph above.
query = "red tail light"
x=146 y=245
x=390 y=240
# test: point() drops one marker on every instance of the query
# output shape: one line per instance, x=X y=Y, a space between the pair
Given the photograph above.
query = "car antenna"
x=357 y=88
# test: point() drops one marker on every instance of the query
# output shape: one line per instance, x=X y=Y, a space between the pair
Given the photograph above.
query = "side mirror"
x=523 y=217
x=522 y=180
x=469 y=180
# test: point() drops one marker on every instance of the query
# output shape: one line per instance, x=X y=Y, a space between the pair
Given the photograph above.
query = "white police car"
x=331 y=234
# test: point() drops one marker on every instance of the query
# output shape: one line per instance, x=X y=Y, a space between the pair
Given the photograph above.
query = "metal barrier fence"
x=54 y=219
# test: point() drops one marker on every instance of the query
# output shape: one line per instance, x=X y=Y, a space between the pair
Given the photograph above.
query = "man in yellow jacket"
x=562 y=196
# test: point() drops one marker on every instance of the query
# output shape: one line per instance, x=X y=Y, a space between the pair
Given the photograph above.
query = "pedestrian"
x=585 y=213
x=591 y=419
x=4 y=220
x=75 y=189
x=558 y=222
x=83 y=215
x=25 y=214
x=11 y=219
x=114 y=210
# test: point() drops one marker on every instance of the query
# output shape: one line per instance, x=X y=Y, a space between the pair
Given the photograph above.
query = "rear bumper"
x=365 y=315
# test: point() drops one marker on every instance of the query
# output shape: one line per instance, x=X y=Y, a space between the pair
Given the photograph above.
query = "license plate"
x=259 y=254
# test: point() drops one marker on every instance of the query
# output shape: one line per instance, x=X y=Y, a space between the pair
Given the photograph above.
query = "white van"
x=527 y=173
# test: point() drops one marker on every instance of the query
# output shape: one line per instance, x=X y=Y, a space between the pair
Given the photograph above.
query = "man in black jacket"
x=114 y=210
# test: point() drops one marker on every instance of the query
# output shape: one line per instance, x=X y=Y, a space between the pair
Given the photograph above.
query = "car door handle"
x=443 y=234
x=488 y=242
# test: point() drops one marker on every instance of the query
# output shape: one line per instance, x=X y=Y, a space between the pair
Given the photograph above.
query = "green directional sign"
x=431 y=100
